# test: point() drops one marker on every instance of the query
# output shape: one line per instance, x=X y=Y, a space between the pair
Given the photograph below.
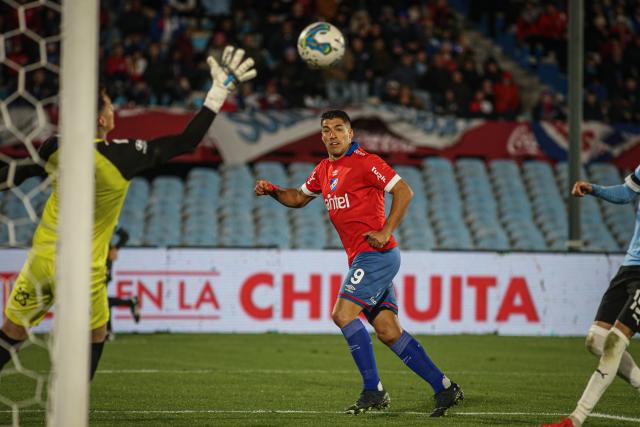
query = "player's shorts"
x=369 y=282
x=621 y=301
x=33 y=293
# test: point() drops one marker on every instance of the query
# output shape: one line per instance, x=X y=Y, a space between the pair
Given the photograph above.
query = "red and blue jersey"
x=353 y=190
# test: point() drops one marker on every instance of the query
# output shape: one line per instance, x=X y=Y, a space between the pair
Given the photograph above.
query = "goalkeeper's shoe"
x=567 y=422
x=368 y=400
x=446 y=399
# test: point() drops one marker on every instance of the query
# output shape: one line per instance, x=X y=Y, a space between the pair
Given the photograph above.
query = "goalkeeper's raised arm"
x=233 y=70
x=133 y=156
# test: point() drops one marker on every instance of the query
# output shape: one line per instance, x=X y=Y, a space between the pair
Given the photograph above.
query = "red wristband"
x=272 y=188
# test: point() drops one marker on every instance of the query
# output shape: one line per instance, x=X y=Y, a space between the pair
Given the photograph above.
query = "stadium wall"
x=210 y=290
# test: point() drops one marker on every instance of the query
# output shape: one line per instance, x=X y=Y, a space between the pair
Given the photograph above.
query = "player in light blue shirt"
x=618 y=317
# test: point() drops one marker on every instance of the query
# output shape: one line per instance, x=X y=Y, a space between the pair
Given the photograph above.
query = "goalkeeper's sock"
x=415 y=357
x=6 y=344
x=362 y=352
x=96 y=353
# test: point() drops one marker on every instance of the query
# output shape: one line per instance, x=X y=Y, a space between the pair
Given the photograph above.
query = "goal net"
x=48 y=86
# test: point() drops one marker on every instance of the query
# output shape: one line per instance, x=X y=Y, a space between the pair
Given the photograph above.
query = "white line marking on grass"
x=320 y=371
x=593 y=415
x=296 y=411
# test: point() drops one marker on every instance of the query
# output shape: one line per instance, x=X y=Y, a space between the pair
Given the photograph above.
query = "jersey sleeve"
x=132 y=157
x=379 y=174
x=312 y=186
x=633 y=180
x=129 y=156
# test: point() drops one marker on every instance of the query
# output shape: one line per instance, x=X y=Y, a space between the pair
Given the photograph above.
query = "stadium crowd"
x=612 y=47
x=410 y=53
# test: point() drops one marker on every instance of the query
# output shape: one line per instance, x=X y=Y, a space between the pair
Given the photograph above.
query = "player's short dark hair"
x=335 y=114
x=102 y=92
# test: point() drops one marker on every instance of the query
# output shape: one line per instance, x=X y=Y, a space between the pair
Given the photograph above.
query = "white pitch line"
x=295 y=411
x=319 y=371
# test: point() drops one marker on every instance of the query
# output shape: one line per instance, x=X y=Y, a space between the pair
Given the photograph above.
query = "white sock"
x=614 y=346
x=628 y=369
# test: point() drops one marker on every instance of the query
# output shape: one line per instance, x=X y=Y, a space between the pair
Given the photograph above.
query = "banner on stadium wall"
x=190 y=290
x=402 y=135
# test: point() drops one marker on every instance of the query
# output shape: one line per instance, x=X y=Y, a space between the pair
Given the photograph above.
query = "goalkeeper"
x=116 y=163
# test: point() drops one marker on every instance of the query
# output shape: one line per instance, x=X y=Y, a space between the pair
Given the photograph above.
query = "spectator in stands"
x=405 y=72
x=272 y=99
x=290 y=74
x=625 y=107
x=507 y=97
x=527 y=27
x=381 y=64
x=470 y=74
x=449 y=105
x=117 y=67
x=592 y=109
x=42 y=86
x=489 y=96
x=552 y=27
x=133 y=20
x=613 y=69
x=492 y=70
x=360 y=73
x=336 y=78
x=391 y=93
x=263 y=61
x=178 y=84
x=136 y=66
x=460 y=93
x=247 y=99
x=547 y=109
x=437 y=77
x=632 y=55
x=407 y=99
x=156 y=74
x=164 y=26
x=480 y=106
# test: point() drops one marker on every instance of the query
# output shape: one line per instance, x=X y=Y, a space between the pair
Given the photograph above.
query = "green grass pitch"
x=281 y=379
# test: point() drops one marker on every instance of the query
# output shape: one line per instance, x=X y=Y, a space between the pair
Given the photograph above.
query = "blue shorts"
x=369 y=282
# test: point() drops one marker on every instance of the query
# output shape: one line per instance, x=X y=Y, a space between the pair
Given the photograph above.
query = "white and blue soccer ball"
x=321 y=45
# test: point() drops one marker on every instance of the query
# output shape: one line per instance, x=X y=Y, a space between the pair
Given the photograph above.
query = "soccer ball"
x=321 y=45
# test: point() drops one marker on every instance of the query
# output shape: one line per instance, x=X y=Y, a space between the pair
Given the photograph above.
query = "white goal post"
x=69 y=390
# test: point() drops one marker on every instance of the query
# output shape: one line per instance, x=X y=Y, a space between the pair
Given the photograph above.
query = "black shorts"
x=621 y=301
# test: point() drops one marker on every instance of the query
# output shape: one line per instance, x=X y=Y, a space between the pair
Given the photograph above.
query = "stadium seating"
x=463 y=205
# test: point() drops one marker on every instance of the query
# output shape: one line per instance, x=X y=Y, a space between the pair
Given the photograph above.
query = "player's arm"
x=12 y=175
x=123 y=237
x=618 y=194
x=401 y=194
x=290 y=197
x=134 y=158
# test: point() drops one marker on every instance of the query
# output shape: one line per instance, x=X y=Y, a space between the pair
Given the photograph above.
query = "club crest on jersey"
x=141 y=145
x=333 y=183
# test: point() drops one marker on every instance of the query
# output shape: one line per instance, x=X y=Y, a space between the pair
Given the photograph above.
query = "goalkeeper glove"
x=233 y=71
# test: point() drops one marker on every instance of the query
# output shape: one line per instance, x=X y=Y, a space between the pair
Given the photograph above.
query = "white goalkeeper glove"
x=234 y=70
